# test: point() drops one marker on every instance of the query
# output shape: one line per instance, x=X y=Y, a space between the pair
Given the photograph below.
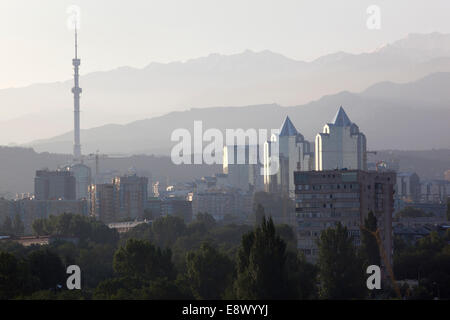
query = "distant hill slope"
x=249 y=78
x=411 y=116
x=18 y=166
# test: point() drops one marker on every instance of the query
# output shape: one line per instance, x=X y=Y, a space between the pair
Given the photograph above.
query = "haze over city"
x=224 y=150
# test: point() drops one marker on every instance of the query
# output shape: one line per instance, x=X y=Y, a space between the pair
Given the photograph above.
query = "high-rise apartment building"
x=54 y=185
x=124 y=198
x=324 y=198
x=82 y=174
x=341 y=145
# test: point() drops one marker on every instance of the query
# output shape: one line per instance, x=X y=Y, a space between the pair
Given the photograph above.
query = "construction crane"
x=97 y=156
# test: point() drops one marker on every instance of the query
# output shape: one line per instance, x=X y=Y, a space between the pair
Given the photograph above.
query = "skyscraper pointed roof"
x=288 y=129
x=341 y=119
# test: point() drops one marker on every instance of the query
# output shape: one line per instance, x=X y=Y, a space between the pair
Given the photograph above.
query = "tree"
x=166 y=230
x=207 y=219
x=259 y=214
x=141 y=259
x=148 y=214
x=38 y=227
x=209 y=272
x=341 y=271
x=448 y=209
x=10 y=276
x=370 y=249
x=302 y=277
x=261 y=265
x=96 y=263
x=411 y=212
x=278 y=206
x=7 y=226
x=287 y=233
x=18 y=227
x=47 y=267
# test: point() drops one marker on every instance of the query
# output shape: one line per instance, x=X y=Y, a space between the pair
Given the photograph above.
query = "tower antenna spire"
x=76 y=90
x=76 y=40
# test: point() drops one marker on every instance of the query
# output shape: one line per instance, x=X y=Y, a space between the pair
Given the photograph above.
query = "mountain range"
x=172 y=95
x=411 y=116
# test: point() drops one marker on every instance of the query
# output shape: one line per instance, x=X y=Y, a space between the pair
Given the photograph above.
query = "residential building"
x=82 y=174
x=220 y=203
x=124 y=198
x=54 y=185
x=324 y=198
x=32 y=209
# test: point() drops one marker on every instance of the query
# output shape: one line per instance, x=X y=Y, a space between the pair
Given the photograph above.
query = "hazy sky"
x=36 y=45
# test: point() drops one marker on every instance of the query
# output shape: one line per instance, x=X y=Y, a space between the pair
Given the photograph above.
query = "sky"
x=37 y=45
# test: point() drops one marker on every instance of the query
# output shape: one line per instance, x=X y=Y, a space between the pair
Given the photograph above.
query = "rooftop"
x=341 y=119
x=288 y=129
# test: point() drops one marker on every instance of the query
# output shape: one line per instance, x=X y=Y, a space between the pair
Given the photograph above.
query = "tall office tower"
x=324 y=198
x=294 y=155
x=54 y=185
x=76 y=90
x=341 y=145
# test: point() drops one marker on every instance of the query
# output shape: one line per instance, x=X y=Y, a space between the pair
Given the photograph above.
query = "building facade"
x=243 y=168
x=54 y=185
x=324 y=198
x=294 y=154
x=82 y=174
x=341 y=145
x=124 y=198
x=220 y=203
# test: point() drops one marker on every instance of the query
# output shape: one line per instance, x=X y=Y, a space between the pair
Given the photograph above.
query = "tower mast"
x=76 y=90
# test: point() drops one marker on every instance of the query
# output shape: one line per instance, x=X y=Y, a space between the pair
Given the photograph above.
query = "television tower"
x=76 y=90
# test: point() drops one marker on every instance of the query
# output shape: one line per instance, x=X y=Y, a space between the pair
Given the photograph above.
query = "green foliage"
x=341 y=270
x=448 y=209
x=209 y=272
x=302 y=277
x=261 y=265
x=96 y=263
x=47 y=267
x=369 y=248
x=15 y=278
x=7 y=226
x=279 y=207
x=259 y=214
x=18 y=227
x=411 y=212
x=39 y=227
x=127 y=288
x=78 y=226
x=428 y=260
x=166 y=230
x=141 y=259
x=207 y=219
